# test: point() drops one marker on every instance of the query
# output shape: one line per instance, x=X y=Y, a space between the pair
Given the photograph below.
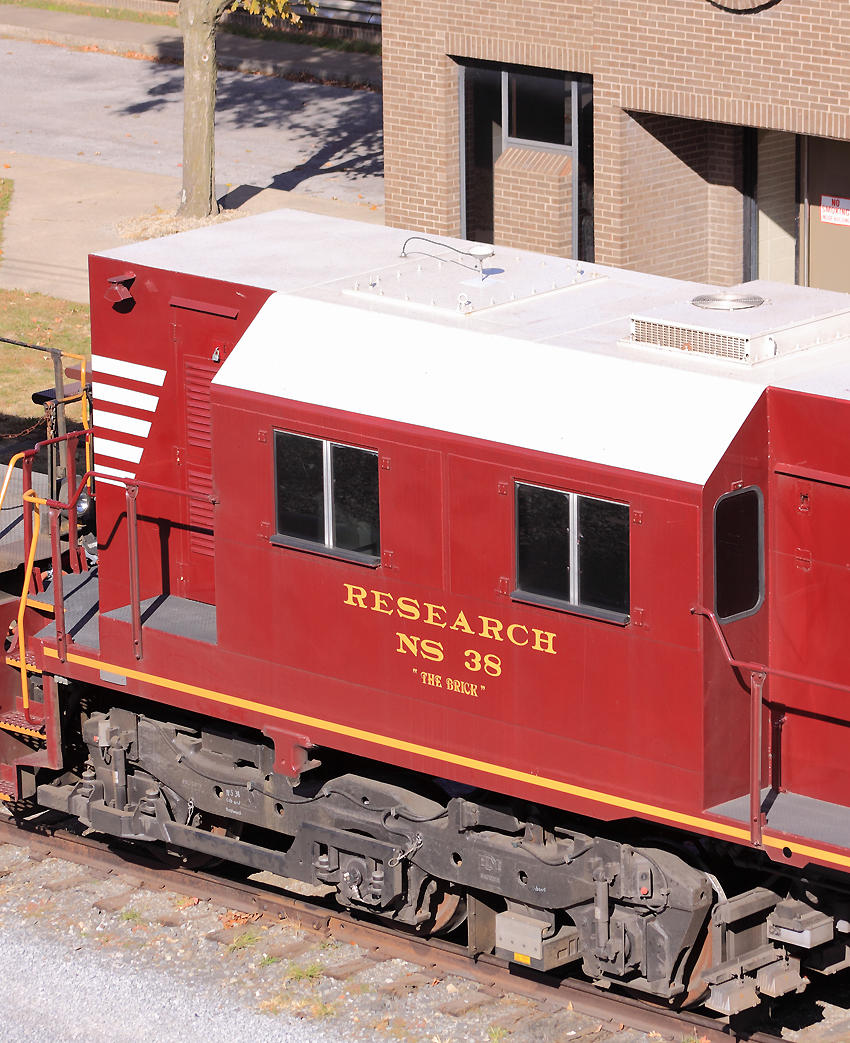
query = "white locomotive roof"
x=539 y=352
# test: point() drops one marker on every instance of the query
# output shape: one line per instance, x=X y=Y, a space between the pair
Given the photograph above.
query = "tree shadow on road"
x=337 y=130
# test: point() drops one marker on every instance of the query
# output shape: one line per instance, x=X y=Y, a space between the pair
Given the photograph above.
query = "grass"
x=259 y=31
x=131 y=916
x=48 y=322
x=298 y=972
x=244 y=941
x=6 y=187
x=331 y=43
x=119 y=14
x=34 y=319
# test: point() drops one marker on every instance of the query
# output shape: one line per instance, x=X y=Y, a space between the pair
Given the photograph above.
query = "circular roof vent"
x=727 y=301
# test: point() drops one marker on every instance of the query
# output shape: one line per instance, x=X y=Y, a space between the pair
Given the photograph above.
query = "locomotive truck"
x=500 y=593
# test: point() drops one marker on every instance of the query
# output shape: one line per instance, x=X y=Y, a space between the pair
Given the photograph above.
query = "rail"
x=759 y=672
x=32 y=527
x=32 y=505
x=60 y=401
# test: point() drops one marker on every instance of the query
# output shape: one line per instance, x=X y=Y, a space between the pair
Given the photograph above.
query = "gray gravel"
x=60 y=991
x=102 y=960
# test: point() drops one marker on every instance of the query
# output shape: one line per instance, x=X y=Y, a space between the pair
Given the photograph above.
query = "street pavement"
x=65 y=207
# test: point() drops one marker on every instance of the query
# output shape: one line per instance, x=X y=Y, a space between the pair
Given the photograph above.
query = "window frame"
x=574 y=605
x=570 y=81
x=761 y=558
x=327 y=548
x=577 y=82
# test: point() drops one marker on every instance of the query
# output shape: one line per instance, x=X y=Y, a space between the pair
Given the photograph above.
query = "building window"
x=532 y=108
x=327 y=496
x=539 y=108
x=572 y=551
x=738 y=554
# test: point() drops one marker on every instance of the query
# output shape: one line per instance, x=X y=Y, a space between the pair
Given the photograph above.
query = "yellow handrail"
x=85 y=404
x=30 y=497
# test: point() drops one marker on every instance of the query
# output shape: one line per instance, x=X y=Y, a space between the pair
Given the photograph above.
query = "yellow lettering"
x=407 y=643
x=358 y=599
x=461 y=623
x=433 y=613
x=407 y=607
x=491 y=628
x=544 y=641
x=379 y=598
x=432 y=650
x=510 y=632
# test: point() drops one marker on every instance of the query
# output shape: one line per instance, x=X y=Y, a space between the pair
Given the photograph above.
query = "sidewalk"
x=62 y=210
x=242 y=53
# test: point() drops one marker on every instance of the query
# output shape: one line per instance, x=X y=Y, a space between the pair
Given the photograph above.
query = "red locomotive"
x=490 y=590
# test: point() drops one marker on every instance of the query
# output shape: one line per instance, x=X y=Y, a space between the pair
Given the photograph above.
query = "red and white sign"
x=834 y=210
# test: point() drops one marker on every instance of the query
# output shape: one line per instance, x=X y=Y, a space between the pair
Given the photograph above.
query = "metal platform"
x=194 y=620
x=794 y=814
x=12 y=551
x=80 y=591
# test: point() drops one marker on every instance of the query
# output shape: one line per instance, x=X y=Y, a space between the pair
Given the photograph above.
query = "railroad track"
x=45 y=837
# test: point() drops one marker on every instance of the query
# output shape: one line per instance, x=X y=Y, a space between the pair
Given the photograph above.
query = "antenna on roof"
x=479 y=252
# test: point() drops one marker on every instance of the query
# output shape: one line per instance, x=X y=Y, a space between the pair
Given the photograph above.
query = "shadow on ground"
x=339 y=128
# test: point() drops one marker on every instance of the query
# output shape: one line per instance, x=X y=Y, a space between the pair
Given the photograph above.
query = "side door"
x=203 y=339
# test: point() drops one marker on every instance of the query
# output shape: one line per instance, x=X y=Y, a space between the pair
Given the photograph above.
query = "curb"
x=168 y=49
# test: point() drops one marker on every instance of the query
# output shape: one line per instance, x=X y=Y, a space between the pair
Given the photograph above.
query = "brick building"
x=703 y=139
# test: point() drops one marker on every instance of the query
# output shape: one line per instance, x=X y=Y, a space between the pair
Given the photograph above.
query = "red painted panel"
x=814 y=757
x=811 y=592
x=460 y=666
x=154 y=333
x=726 y=736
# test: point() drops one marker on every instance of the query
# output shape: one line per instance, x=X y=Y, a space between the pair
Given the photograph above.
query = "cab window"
x=738 y=553
x=326 y=495
x=572 y=551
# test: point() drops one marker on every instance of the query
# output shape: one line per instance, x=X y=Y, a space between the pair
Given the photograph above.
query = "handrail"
x=22 y=655
x=57 y=354
x=55 y=507
x=770 y=671
x=758 y=672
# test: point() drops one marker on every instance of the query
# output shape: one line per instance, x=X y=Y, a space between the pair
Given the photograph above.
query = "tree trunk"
x=198 y=21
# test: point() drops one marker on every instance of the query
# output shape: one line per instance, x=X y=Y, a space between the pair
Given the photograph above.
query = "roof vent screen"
x=727 y=301
x=662 y=335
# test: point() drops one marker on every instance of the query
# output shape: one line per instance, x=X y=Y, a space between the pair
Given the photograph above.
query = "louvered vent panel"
x=682 y=338
x=201 y=513
x=199 y=373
